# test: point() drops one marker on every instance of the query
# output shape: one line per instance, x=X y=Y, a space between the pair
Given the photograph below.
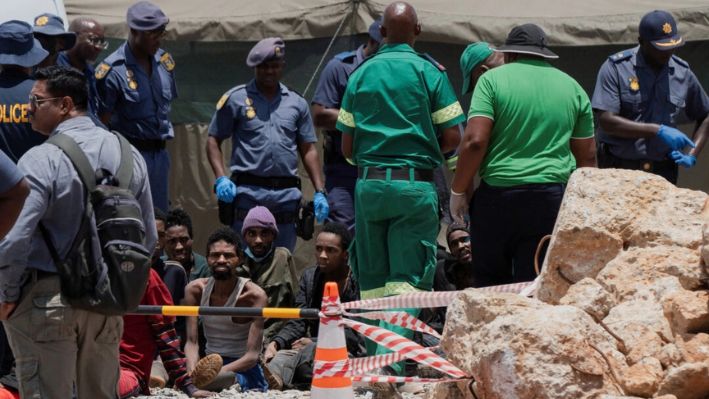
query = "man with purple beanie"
x=270 y=267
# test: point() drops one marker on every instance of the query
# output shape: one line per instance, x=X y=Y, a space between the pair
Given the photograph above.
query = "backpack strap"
x=125 y=169
x=78 y=159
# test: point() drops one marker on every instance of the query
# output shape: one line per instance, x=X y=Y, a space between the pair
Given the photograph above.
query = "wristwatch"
x=322 y=191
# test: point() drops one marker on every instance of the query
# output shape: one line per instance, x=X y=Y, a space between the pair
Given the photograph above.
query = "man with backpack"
x=65 y=331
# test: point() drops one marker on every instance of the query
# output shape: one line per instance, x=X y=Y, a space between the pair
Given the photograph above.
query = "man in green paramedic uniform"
x=398 y=116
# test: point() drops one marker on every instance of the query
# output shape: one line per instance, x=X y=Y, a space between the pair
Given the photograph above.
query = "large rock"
x=524 y=349
x=624 y=305
x=607 y=211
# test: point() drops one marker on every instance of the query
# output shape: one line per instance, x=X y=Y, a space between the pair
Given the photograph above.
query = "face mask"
x=257 y=258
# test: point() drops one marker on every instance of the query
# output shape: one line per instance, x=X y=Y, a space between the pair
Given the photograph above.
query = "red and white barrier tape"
x=401 y=319
x=425 y=299
x=404 y=347
x=394 y=379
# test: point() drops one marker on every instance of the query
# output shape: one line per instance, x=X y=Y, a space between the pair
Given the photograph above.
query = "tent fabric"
x=567 y=22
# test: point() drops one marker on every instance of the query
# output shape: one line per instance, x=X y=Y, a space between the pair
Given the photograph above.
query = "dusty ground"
x=234 y=393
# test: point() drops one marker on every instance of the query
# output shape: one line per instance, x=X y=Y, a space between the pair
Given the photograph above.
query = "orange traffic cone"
x=329 y=379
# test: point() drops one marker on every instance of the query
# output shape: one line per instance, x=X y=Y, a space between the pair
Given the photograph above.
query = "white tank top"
x=224 y=337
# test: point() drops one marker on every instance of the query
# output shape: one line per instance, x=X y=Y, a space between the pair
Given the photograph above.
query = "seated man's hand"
x=301 y=343
x=270 y=352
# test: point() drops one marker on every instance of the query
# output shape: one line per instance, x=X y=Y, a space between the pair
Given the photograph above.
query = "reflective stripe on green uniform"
x=394 y=106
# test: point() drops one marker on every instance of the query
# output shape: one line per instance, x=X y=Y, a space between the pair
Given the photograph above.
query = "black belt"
x=634 y=164
x=147 y=145
x=396 y=174
x=281 y=217
x=274 y=183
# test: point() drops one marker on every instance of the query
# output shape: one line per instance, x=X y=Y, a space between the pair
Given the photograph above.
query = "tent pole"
x=327 y=50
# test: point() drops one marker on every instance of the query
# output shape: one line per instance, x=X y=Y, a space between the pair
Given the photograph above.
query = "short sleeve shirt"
x=629 y=87
x=265 y=134
x=9 y=174
x=536 y=110
x=139 y=104
x=394 y=104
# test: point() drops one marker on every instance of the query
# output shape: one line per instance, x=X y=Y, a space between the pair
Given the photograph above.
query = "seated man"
x=271 y=268
x=172 y=273
x=178 y=244
x=293 y=368
x=143 y=336
x=236 y=340
x=456 y=272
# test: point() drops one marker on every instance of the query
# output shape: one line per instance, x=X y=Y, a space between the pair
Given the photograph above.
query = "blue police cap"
x=18 y=46
x=659 y=28
x=145 y=15
x=52 y=25
x=374 y=32
x=270 y=48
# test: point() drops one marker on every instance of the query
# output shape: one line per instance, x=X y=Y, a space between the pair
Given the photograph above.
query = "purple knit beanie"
x=259 y=216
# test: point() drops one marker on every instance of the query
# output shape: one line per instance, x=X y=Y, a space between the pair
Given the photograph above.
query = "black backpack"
x=112 y=224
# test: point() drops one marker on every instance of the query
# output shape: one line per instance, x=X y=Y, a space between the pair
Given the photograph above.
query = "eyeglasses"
x=98 y=42
x=35 y=101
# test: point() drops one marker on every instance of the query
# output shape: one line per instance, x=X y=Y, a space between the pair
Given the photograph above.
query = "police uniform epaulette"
x=680 y=61
x=228 y=94
x=293 y=90
x=438 y=65
x=622 y=56
x=346 y=56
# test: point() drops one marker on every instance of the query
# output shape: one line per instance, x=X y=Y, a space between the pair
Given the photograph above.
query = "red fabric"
x=128 y=385
x=138 y=345
x=7 y=393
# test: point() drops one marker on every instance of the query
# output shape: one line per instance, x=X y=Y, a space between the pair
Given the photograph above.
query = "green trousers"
x=394 y=251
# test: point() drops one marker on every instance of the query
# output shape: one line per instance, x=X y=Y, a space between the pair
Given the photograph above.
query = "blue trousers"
x=507 y=224
x=340 y=196
x=251 y=379
x=158 y=164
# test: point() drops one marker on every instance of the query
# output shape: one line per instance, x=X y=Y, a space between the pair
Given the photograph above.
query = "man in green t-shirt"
x=529 y=126
x=398 y=115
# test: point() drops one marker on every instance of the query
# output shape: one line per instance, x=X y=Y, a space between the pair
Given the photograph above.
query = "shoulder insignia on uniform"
x=438 y=65
x=346 y=56
x=102 y=70
x=167 y=61
x=225 y=96
x=623 y=55
x=680 y=61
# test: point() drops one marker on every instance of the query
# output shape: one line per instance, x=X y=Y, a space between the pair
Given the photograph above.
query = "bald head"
x=400 y=24
x=88 y=31
x=82 y=24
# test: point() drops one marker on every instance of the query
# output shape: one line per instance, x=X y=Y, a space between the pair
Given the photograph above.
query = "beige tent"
x=209 y=40
x=568 y=22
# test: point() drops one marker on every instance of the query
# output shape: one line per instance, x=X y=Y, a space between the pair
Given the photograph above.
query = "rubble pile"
x=621 y=308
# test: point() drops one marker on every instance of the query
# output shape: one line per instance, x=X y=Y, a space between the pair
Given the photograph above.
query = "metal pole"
x=275 y=313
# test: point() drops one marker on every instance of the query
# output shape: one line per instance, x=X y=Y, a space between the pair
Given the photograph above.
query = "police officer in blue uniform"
x=90 y=41
x=49 y=30
x=269 y=125
x=136 y=85
x=340 y=176
x=640 y=96
x=19 y=53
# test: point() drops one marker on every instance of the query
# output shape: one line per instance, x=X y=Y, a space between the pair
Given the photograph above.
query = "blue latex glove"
x=322 y=208
x=225 y=188
x=683 y=160
x=674 y=138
